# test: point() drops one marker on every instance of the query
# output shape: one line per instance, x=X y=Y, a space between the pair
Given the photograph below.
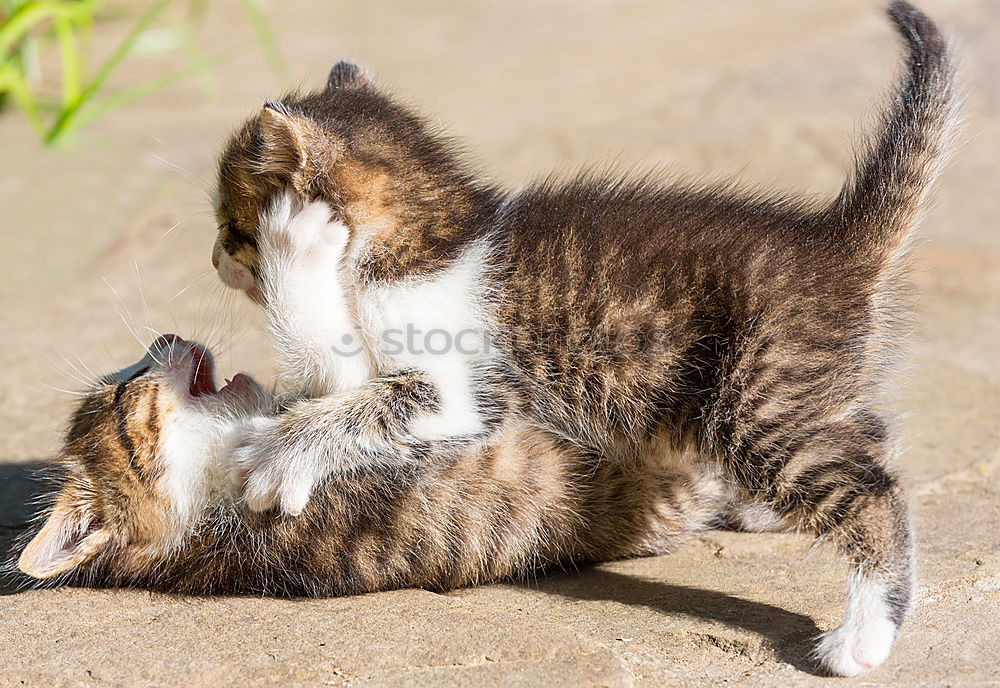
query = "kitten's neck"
x=201 y=476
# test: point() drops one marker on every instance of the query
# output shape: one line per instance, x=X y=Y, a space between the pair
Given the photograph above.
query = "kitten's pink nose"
x=215 y=260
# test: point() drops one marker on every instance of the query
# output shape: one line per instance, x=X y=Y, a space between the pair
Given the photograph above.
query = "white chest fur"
x=440 y=325
x=332 y=336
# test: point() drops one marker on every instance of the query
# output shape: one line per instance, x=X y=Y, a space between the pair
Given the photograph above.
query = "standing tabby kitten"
x=636 y=320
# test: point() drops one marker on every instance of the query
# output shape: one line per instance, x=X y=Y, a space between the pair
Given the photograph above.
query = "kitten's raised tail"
x=879 y=205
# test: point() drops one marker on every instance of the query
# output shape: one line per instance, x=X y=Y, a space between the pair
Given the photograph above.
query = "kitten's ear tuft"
x=68 y=539
x=284 y=149
x=348 y=75
x=292 y=142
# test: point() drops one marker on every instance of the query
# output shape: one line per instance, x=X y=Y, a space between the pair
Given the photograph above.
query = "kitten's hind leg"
x=833 y=481
x=877 y=538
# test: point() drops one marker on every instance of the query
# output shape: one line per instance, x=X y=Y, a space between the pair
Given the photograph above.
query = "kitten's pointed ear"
x=284 y=148
x=348 y=75
x=291 y=142
x=67 y=540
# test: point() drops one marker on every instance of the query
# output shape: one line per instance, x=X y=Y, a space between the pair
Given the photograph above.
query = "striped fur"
x=754 y=327
x=653 y=342
x=528 y=504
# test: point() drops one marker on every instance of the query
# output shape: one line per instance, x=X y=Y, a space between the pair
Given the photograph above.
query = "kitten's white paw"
x=854 y=648
x=311 y=227
x=274 y=473
x=302 y=231
x=294 y=493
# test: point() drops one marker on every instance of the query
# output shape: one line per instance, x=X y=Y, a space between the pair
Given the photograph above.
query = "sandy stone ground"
x=770 y=92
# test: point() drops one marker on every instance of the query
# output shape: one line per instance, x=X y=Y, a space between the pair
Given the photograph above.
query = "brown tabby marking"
x=529 y=503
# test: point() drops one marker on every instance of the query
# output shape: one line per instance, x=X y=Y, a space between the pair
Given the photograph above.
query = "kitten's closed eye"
x=234 y=239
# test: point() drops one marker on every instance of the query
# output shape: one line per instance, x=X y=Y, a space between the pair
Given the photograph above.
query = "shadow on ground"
x=21 y=484
x=789 y=634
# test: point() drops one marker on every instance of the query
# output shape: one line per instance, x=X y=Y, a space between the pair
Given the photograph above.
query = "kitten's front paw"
x=276 y=473
x=304 y=232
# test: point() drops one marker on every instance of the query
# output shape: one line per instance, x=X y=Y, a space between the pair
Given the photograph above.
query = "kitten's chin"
x=242 y=396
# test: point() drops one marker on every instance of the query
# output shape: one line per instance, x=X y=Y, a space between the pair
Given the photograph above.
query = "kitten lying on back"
x=148 y=499
x=636 y=320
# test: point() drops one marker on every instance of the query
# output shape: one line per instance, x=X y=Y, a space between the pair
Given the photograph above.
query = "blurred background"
x=112 y=114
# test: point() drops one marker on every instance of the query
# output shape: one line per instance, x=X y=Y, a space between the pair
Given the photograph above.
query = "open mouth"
x=202 y=376
x=201 y=367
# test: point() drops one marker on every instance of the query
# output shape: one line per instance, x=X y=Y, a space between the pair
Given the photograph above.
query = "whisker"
x=66 y=373
x=172 y=165
x=142 y=295
x=128 y=325
x=170 y=300
x=70 y=392
x=77 y=374
x=175 y=226
x=86 y=367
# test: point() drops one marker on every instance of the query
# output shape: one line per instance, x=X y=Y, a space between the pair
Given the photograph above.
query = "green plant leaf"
x=67 y=118
x=12 y=82
x=69 y=53
x=29 y=28
x=265 y=38
x=117 y=100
